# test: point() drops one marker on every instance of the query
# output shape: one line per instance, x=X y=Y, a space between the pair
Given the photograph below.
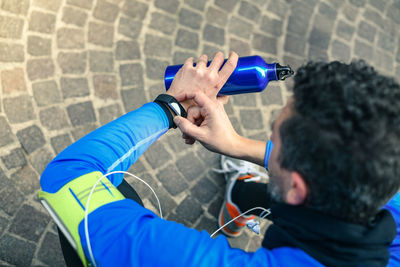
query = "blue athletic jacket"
x=123 y=233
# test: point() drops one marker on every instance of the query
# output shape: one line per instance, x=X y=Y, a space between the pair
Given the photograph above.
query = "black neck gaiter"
x=331 y=241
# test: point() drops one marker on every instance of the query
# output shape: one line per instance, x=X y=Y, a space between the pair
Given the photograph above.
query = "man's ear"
x=298 y=191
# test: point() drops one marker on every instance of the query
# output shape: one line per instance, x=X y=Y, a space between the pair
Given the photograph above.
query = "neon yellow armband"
x=67 y=205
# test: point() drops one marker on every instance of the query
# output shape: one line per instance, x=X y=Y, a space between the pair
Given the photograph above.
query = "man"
x=334 y=164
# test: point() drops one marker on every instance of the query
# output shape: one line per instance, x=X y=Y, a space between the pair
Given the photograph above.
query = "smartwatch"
x=168 y=103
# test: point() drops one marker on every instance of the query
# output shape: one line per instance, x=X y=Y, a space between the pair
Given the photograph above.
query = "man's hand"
x=200 y=78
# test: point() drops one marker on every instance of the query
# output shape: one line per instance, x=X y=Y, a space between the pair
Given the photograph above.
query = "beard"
x=275 y=187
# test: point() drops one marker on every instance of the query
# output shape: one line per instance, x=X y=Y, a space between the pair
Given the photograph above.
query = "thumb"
x=187 y=127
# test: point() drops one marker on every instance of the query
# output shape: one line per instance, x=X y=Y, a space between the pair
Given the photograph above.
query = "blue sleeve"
x=394 y=207
x=115 y=146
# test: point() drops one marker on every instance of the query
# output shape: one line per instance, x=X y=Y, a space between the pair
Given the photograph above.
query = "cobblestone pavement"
x=70 y=66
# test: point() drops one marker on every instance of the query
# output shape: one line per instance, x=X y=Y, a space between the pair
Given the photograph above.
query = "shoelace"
x=245 y=167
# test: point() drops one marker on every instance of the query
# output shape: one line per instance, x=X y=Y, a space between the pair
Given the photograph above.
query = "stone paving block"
x=40 y=159
x=366 y=31
x=228 y=5
x=295 y=45
x=216 y=16
x=337 y=3
x=317 y=53
x=374 y=17
x=384 y=61
x=38 y=46
x=105 y=11
x=19 y=109
x=240 y=47
x=74 y=16
x=157 y=46
x=255 y=243
x=189 y=209
x=31 y=138
x=214 y=34
x=26 y=180
x=251 y=119
x=176 y=142
x=386 y=42
x=299 y=19
x=101 y=61
x=340 y=51
x=109 y=113
x=190 y=19
x=29 y=223
x=249 y=11
x=11 y=199
x=204 y=190
x=171 y=6
x=321 y=32
x=215 y=206
x=327 y=10
x=19 y=7
x=14 y=159
x=279 y=8
x=345 y=30
x=135 y=9
x=131 y=74
x=101 y=34
x=42 y=22
x=398 y=51
x=239 y=27
x=19 y=257
x=71 y=62
x=6 y=136
x=265 y=44
x=60 y=142
x=378 y=4
x=350 y=12
x=46 y=93
x=4 y=181
x=133 y=98
x=190 y=166
x=180 y=57
x=40 y=68
x=358 y=3
x=50 y=251
x=129 y=28
x=197 y=4
x=271 y=25
x=11 y=27
x=105 y=86
x=210 y=159
x=244 y=100
x=272 y=95
x=69 y=38
x=83 y=130
x=163 y=23
x=52 y=5
x=74 y=87
x=87 y=4
x=210 y=50
x=241 y=241
x=156 y=155
x=187 y=39
x=209 y=225
x=155 y=68
x=81 y=113
x=171 y=179
x=11 y=52
x=363 y=50
x=3 y=224
x=13 y=80
x=128 y=50
x=53 y=118
x=167 y=203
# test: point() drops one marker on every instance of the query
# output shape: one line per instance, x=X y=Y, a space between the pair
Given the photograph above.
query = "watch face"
x=175 y=107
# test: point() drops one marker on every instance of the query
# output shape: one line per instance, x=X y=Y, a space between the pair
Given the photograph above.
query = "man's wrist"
x=171 y=107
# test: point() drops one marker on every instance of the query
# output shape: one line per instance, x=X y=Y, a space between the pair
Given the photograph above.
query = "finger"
x=228 y=68
x=187 y=127
x=223 y=99
x=189 y=62
x=217 y=61
x=193 y=113
x=202 y=61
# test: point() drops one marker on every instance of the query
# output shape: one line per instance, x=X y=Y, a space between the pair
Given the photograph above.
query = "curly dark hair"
x=344 y=138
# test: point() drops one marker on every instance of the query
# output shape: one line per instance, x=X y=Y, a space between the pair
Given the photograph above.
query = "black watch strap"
x=165 y=101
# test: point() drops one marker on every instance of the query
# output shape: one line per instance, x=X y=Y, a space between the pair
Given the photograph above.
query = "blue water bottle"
x=252 y=74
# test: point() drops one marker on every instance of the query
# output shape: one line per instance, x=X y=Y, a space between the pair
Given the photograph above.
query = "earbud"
x=254 y=226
